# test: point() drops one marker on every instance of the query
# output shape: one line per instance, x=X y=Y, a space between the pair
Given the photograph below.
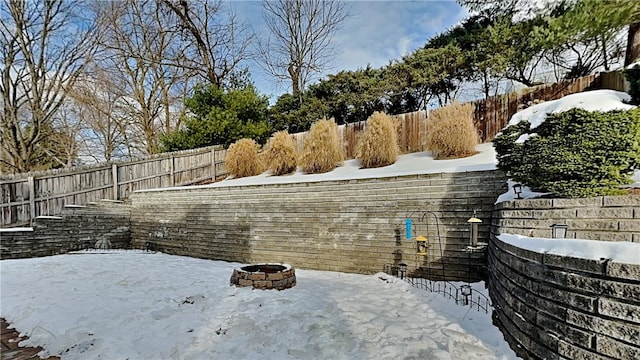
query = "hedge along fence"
x=29 y=195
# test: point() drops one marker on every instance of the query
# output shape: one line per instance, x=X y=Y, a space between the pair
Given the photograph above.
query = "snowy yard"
x=137 y=305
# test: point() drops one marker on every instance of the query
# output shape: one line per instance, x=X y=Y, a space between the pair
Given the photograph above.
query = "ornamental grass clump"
x=451 y=133
x=378 y=146
x=322 y=149
x=242 y=159
x=281 y=155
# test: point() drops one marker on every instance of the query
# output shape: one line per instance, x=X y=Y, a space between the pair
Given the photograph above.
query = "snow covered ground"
x=139 y=305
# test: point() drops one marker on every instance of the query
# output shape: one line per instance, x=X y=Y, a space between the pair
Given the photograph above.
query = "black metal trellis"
x=450 y=291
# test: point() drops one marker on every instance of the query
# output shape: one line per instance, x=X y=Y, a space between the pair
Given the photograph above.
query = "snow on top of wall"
x=597 y=100
x=618 y=251
x=408 y=164
x=16 y=229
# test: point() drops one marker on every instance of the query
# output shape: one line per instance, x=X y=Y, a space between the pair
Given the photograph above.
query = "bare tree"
x=217 y=41
x=142 y=68
x=65 y=137
x=300 y=41
x=99 y=108
x=45 y=46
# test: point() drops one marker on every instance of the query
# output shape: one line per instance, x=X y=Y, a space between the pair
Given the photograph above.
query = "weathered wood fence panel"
x=26 y=196
x=410 y=129
x=613 y=80
x=492 y=114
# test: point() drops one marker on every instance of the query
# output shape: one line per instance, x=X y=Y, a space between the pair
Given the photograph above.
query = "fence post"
x=213 y=164
x=114 y=176
x=32 y=199
x=172 y=178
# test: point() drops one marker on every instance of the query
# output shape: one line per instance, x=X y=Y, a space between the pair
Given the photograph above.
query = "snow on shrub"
x=322 y=149
x=576 y=153
x=450 y=132
x=378 y=146
x=242 y=159
x=281 y=154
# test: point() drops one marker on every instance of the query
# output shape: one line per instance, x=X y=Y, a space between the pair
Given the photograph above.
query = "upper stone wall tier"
x=350 y=225
x=610 y=218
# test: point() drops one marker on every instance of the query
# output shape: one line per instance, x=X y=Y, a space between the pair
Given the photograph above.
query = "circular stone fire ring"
x=265 y=276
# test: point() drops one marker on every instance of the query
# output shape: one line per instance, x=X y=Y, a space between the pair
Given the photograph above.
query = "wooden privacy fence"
x=490 y=115
x=411 y=128
x=27 y=196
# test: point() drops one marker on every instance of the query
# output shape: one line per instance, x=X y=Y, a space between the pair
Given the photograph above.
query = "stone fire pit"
x=265 y=276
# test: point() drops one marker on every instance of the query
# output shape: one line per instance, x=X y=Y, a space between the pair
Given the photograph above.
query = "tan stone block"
x=577 y=202
x=262 y=284
x=276 y=276
x=243 y=282
x=622 y=200
x=257 y=276
x=629 y=225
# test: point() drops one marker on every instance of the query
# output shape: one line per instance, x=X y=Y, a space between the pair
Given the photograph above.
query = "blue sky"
x=375 y=33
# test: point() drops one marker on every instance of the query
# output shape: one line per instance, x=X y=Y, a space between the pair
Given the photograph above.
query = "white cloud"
x=375 y=33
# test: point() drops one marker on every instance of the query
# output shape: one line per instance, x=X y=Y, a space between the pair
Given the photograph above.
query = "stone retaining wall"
x=351 y=225
x=611 y=218
x=554 y=307
x=78 y=228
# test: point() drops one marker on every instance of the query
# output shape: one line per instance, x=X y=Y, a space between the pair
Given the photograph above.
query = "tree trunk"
x=633 y=44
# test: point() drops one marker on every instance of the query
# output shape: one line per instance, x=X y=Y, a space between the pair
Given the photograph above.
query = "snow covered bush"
x=378 y=146
x=450 y=132
x=322 y=149
x=242 y=159
x=281 y=154
x=575 y=153
x=632 y=74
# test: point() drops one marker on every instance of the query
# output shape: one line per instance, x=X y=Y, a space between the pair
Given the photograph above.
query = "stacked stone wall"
x=349 y=225
x=610 y=218
x=559 y=307
x=79 y=227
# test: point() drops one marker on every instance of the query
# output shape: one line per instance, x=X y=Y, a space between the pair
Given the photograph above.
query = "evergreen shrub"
x=576 y=153
x=242 y=159
x=451 y=133
x=322 y=149
x=378 y=146
x=281 y=154
x=632 y=75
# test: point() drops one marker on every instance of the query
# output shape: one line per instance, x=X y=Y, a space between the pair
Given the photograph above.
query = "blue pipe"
x=408 y=223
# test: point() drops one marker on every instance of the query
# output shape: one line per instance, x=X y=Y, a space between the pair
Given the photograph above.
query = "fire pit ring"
x=265 y=276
